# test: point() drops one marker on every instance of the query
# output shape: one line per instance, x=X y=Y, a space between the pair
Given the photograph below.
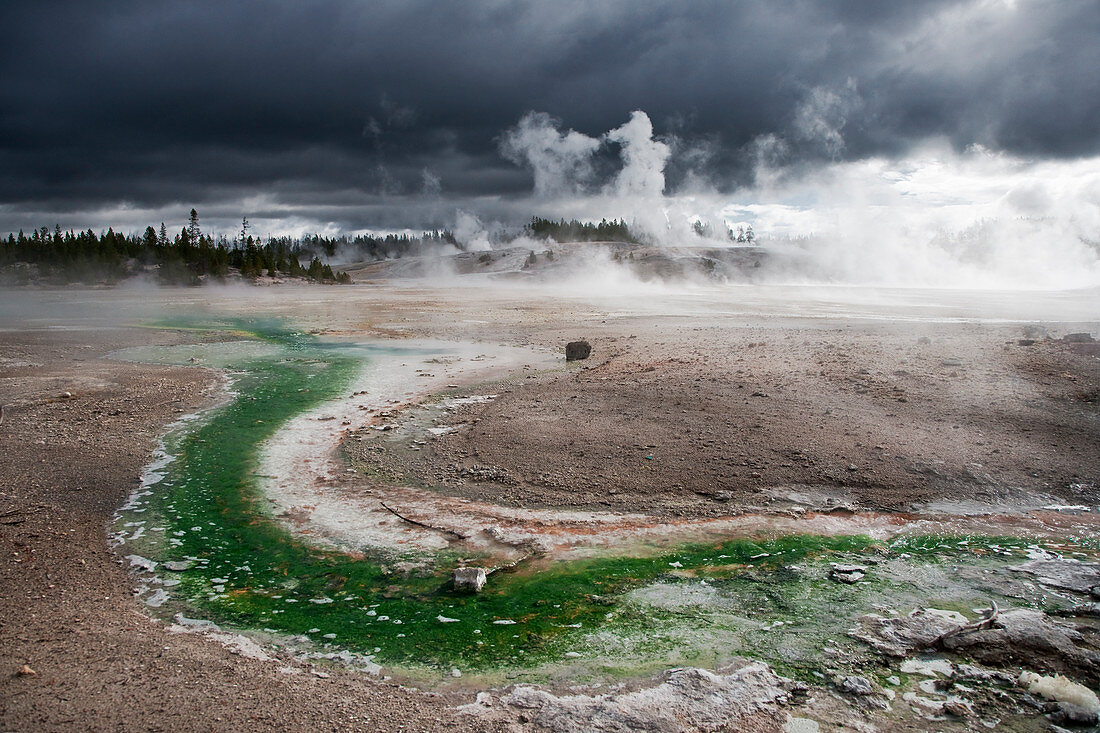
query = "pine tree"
x=193 y=230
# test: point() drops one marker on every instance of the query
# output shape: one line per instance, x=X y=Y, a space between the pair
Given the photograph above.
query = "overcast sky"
x=351 y=114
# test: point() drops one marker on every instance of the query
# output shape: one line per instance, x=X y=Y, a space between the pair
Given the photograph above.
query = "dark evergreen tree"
x=193 y=230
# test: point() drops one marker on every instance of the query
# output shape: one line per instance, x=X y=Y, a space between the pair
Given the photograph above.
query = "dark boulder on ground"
x=576 y=350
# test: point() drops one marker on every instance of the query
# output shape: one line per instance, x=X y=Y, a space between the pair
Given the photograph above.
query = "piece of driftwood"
x=403 y=518
x=982 y=623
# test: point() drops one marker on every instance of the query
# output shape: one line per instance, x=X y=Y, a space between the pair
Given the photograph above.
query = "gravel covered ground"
x=681 y=415
x=66 y=608
x=688 y=421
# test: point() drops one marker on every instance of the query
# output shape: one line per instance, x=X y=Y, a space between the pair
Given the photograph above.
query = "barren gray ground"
x=668 y=412
x=66 y=607
x=688 y=421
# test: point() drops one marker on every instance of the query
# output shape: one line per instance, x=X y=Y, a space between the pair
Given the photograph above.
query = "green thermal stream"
x=700 y=604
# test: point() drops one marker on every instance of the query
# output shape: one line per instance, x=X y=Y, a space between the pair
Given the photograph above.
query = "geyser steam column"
x=562 y=164
x=644 y=159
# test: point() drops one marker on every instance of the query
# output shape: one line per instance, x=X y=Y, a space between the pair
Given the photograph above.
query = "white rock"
x=1061 y=689
x=469 y=580
x=928 y=667
x=144 y=563
x=801 y=725
x=710 y=701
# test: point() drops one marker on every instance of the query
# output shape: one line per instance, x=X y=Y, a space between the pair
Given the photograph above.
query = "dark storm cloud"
x=201 y=101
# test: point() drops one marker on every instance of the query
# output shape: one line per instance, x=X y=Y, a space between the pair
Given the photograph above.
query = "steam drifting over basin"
x=830 y=460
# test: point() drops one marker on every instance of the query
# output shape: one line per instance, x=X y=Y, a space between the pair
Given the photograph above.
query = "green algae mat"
x=208 y=548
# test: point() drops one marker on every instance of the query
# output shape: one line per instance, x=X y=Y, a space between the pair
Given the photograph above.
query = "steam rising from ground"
x=561 y=161
x=935 y=218
x=469 y=230
x=644 y=159
x=931 y=218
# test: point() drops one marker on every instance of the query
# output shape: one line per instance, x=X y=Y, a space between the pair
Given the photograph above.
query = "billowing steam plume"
x=644 y=159
x=560 y=161
x=932 y=217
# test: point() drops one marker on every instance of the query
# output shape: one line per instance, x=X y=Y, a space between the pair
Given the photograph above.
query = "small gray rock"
x=577 y=350
x=1074 y=715
x=1087 y=609
x=177 y=566
x=1078 y=338
x=857 y=685
x=469 y=580
x=958 y=708
x=901 y=636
